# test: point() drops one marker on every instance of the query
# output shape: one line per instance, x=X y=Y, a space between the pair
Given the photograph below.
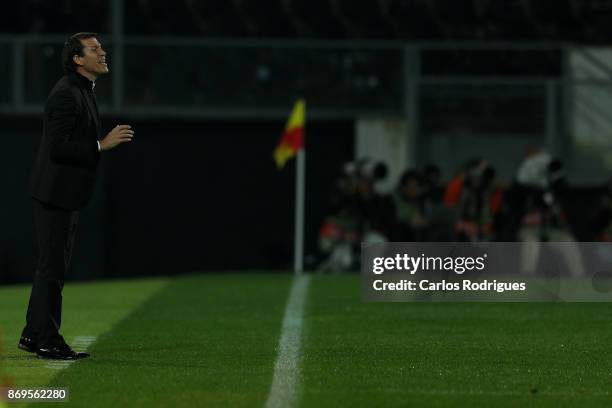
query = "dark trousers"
x=55 y=232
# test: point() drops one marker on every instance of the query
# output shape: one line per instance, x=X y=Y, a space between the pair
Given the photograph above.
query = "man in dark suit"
x=62 y=183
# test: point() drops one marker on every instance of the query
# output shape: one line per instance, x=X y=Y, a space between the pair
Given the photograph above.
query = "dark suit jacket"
x=66 y=165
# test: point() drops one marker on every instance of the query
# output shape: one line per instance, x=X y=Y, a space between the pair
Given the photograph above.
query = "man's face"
x=93 y=60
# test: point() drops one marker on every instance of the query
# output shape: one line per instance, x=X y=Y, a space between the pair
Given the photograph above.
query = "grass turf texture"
x=211 y=341
x=462 y=354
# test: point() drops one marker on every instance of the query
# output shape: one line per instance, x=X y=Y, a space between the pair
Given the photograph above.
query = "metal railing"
x=205 y=78
x=235 y=78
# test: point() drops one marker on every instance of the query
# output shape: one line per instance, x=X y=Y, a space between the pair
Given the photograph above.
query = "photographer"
x=476 y=200
x=542 y=186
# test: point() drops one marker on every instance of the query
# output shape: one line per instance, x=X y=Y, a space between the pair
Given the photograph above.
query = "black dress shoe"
x=27 y=344
x=60 y=353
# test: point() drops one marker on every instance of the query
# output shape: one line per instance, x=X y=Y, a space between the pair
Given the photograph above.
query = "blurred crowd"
x=472 y=206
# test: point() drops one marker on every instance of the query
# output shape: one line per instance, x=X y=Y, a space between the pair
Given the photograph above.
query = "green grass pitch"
x=212 y=340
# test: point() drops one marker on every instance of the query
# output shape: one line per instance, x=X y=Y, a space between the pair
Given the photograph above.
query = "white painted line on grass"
x=80 y=344
x=283 y=392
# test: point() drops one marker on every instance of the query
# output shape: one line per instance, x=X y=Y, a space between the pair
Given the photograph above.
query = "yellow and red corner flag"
x=292 y=139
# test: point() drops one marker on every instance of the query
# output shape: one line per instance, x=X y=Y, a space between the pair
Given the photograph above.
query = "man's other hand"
x=119 y=134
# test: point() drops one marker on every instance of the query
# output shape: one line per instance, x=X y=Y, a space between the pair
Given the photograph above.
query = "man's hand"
x=119 y=134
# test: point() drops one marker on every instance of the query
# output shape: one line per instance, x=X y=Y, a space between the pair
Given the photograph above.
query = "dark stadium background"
x=187 y=195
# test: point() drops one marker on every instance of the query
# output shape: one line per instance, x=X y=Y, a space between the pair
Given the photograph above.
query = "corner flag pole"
x=292 y=144
x=300 y=181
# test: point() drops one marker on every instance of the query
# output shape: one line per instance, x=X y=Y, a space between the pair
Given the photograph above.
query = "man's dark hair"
x=72 y=47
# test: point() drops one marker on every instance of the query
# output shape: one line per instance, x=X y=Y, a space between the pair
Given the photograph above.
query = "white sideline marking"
x=80 y=344
x=283 y=391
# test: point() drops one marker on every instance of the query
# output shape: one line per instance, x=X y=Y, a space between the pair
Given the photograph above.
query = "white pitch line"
x=80 y=344
x=283 y=392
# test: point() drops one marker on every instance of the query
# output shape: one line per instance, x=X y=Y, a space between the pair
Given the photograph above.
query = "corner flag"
x=292 y=144
x=292 y=139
